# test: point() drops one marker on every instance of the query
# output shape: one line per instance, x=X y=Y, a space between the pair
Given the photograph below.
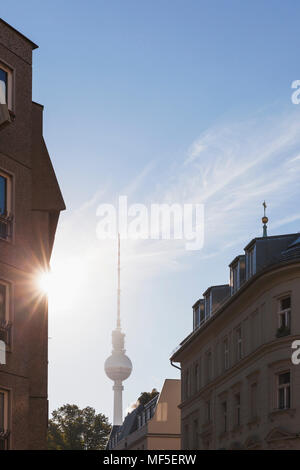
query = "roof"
x=130 y=423
x=199 y=301
x=289 y=255
x=272 y=237
x=33 y=45
x=214 y=287
x=296 y=242
x=236 y=259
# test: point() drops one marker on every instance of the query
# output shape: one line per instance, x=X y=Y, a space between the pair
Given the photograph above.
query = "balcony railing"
x=284 y=330
x=4 y=439
x=6 y=226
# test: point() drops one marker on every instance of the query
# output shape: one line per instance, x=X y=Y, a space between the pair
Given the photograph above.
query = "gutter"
x=173 y=365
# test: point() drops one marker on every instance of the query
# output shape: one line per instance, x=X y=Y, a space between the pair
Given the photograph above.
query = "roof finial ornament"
x=265 y=220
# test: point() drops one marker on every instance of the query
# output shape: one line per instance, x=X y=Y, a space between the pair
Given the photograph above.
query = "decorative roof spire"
x=265 y=220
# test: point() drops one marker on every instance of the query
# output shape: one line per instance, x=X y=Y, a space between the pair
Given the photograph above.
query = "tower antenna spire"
x=119 y=284
x=265 y=221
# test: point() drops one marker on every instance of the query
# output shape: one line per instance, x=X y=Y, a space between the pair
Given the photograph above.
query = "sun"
x=63 y=283
x=45 y=282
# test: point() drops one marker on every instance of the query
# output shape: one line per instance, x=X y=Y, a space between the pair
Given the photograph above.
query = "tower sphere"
x=118 y=366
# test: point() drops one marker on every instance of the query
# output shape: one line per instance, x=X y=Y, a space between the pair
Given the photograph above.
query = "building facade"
x=30 y=203
x=153 y=426
x=240 y=388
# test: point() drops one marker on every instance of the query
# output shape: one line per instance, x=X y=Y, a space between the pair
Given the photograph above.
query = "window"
x=239 y=343
x=283 y=391
x=196 y=316
x=234 y=281
x=237 y=403
x=4 y=302
x=202 y=313
x=186 y=385
x=208 y=411
x=5 y=206
x=226 y=354
x=5 y=86
x=208 y=366
x=5 y=325
x=251 y=262
x=3 y=195
x=196 y=378
x=208 y=305
x=284 y=316
x=3 y=420
x=195 y=434
x=224 y=415
x=253 y=400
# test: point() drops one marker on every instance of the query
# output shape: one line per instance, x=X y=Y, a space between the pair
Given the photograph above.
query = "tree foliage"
x=145 y=397
x=71 y=428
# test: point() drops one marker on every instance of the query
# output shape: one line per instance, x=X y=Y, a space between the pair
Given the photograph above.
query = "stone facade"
x=240 y=389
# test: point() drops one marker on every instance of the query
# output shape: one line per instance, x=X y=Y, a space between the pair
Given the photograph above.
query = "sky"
x=162 y=101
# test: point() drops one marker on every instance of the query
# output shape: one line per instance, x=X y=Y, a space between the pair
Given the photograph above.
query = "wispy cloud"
x=231 y=169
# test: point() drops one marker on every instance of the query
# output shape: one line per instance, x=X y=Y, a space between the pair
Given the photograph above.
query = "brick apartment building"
x=30 y=204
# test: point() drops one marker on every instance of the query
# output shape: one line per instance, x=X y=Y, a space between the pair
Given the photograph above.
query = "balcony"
x=4 y=439
x=5 y=332
x=283 y=331
x=6 y=224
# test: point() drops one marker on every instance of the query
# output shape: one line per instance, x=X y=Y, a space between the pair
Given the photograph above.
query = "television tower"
x=118 y=366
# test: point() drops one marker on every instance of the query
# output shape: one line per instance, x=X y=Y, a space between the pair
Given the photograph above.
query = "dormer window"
x=237 y=273
x=202 y=312
x=234 y=278
x=251 y=262
x=5 y=86
x=199 y=316
x=196 y=316
x=208 y=305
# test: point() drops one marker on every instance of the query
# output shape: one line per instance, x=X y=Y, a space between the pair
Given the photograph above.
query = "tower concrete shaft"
x=118 y=403
x=118 y=366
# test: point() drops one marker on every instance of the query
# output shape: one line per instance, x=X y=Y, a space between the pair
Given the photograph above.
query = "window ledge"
x=281 y=412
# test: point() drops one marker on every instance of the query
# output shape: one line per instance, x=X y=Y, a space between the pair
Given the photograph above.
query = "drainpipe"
x=173 y=365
